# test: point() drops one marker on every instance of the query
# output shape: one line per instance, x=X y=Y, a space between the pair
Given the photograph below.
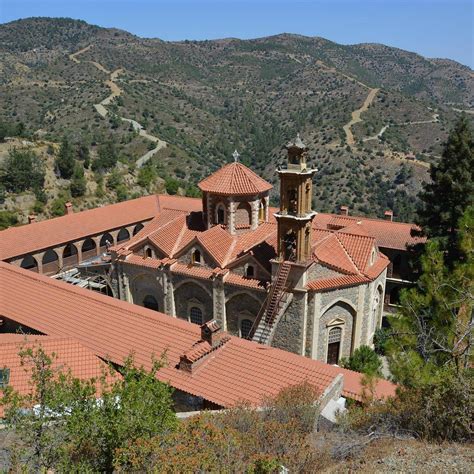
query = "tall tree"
x=65 y=161
x=434 y=329
x=78 y=182
x=23 y=170
x=450 y=192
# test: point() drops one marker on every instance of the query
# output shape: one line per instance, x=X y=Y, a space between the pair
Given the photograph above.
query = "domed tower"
x=295 y=215
x=235 y=197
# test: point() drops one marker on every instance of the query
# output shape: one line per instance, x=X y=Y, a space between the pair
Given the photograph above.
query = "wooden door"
x=333 y=352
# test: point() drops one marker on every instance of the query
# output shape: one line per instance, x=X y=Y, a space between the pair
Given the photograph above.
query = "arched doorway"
x=137 y=229
x=105 y=242
x=30 y=263
x=334 y=345
x=70 y=256
x=123 y=235
x=50 y=262
x=150 y=302
x=89 y=249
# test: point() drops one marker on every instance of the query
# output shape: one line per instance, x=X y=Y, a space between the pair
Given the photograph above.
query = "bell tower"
x=295 y=215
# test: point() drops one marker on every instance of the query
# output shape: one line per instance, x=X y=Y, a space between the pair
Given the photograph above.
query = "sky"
x=433 y=28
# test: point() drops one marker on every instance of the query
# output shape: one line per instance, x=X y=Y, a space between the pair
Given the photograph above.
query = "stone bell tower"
x=295 y=215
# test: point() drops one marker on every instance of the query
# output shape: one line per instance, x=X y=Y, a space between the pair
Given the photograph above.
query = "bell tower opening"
x=295 y=215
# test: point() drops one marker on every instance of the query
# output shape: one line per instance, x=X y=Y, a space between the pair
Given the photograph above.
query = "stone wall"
x=188 y=292
x=241 y=305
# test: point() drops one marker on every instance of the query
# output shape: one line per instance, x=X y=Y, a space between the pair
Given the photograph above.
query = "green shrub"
x=365 y=360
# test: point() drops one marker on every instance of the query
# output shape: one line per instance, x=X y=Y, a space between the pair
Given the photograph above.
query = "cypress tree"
x=450 y=192
x=65 y=161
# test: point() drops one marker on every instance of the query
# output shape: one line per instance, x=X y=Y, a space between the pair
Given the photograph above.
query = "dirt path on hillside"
x=356 y=116
x=116 y=91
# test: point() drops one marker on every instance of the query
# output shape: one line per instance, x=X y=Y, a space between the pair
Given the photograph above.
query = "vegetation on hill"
x=206 y=98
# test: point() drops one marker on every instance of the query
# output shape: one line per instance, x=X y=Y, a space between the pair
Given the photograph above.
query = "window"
x=149 y=252
x=4 y=377
x=196 y=256
x=195 y=315
x=250 y=271
x=261 y=211
x=334 y=345
x=220 y=214
x=150 y=302
x=245 y=328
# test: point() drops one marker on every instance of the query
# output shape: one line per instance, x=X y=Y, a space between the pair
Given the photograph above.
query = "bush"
x=381 y=338
x=7 y=219
x=365 y=360
x=23 y=171
x=57 y=207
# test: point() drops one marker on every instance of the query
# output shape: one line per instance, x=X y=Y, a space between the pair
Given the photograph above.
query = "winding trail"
x=356 y=115
x=116 y=91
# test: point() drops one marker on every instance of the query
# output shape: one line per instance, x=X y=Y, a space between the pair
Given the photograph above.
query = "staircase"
x=275 y=305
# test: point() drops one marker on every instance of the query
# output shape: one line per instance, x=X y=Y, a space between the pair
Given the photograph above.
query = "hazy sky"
x=433 y=28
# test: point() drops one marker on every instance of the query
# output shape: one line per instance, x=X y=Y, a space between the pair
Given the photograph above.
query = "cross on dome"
x=236 y=156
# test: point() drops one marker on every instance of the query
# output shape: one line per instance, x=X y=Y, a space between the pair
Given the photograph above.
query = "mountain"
x=373 y=116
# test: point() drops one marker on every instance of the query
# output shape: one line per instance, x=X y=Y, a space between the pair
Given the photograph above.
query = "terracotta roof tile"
x=359 y=248
x=111 y=329
x=17 y=241
x=244 y=282
x=70 y=355
x=330 y=252
x=326 y=284
x=234 y=179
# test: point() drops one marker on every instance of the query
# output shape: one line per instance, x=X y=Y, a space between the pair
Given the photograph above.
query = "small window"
x=250 y=271
x=196 y=257
x=245 y=328
x=149 y=252
x=4 y=377
x=220 y=214
x=195 y=315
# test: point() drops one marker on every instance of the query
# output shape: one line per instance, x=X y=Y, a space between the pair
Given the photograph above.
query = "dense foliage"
x=23 y=171
x=65 y=162
x=365 y=360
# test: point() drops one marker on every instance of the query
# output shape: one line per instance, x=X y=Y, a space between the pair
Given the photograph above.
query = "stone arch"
x=243 y=215
x=150 y=302
x=89 y=248
x=137 y=229
x=189 y=293
x=50 y=262
x=70 y=255
x=239 y=306
x=146 y=284
x=123 y=235
x=29 y=263
x=105 y=240
x=340 y=313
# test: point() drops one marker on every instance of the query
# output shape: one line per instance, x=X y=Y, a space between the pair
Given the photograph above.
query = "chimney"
x=68 y=207
x=343 y=211
x=211 y=333
x=31 y=219
x=388 y=215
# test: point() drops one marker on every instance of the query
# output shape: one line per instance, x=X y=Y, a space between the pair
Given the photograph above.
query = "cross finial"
x=236 y=156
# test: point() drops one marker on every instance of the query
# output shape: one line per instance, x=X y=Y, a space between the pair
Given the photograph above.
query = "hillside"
x=361 y=109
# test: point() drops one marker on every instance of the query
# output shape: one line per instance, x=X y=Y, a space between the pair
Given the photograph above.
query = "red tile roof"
x=111 y=329
x=234 y=179
x=326 y=284
x=70 y=355
x=40 y=235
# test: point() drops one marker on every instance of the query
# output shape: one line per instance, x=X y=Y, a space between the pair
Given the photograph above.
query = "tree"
x=78 y=183
x=23 y=171
x=450 y=192
x=69 y=430
x=65 y=161
x=434 y=327
x=107 y=157
x=7 y=219
x=83 y=154
x=365 y=360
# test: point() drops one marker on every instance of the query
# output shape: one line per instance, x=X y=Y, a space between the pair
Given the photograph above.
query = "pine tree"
x=450 y=192
x=78 y=182
x=65 y=162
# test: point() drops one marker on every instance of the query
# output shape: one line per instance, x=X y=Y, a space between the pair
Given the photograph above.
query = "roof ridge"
x=347 y=253
x=179 y=238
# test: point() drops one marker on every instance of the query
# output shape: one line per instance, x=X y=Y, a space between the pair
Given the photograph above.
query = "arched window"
x=261 y=211
x=245 y=328
x=29 y=263
x=195 y=315
x=249 y=271
x=88 y=248
x=196 y=256
x=149 y=252
x=334 y=345
x=137 y=229
x=105 y=242
x=124 y=234
x=150 y=302
x=220 y=214
x=70 y=256
x=292 y=201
